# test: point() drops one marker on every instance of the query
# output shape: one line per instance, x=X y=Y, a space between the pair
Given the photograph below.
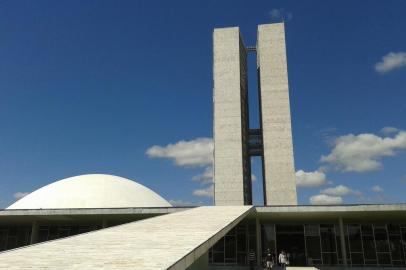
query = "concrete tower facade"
x=234 y=141
x=232 y=166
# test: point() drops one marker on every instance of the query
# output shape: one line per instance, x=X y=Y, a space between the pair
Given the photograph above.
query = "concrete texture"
x=91 y=211
x=318 y=213
x=345 y=208
x=230 y=118
x=172 y=241
x=280 y=185
x=44 y=216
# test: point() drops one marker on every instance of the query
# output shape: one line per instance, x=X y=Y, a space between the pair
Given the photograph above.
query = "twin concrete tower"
x=234 y=142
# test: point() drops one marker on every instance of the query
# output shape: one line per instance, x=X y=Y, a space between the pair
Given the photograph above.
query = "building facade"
x=234 y=141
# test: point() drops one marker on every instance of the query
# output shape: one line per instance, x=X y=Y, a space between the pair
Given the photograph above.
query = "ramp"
x=172 y=241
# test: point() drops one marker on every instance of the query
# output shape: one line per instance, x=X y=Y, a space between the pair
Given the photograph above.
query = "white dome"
x=91 y=191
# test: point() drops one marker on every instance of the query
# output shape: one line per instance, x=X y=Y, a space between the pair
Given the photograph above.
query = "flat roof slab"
x=389 y=212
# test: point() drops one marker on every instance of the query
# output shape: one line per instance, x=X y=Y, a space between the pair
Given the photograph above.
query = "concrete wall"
x=280 y=185
x=229 y=73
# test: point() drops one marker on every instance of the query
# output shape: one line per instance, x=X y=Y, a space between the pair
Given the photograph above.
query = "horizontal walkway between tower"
x=172 y=241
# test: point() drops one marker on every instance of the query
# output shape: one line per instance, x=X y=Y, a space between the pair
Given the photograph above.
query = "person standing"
x=269 y=259
x=282 y=259
x=251 y=259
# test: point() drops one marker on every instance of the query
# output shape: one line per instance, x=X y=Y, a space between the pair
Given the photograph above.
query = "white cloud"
x=197 y=152
x=205 y=192
x=19 y=195
x=183 y=203
x=363 y=152
x=193 y=153
x=390 y=62
x=322 y=199
x=310 y=179
x=389 y=130
x=253 y=177
x=206 y=176
x=377 y=188
x=279 y=14
x=340 y=190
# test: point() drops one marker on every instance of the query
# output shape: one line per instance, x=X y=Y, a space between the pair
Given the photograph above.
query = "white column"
x=34 y=232
x=104 y=223
x=342 y=241
x=258 y=238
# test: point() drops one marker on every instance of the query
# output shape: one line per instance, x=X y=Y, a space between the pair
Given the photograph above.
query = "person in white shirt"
x=282 y=259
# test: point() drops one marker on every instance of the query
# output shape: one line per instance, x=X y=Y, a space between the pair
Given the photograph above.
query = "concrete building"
x=235 y=143
x=232 y=161
x=217 y=237
x=107 y=222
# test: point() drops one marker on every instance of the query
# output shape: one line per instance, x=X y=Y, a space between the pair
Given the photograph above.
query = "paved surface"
x=172 y=241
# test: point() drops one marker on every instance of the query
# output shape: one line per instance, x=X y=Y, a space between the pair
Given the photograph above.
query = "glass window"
x=230 y=249
x=369 y=247
x=330 y=258
x=64 y=232
x=11 y=242
x=252 y=229
x=289 y=228
x=210 y=255
x=313 y=248
x=312 y=230
x=403 y=230
x=393 y=229
x=241 y=258
x=252 y=243
x=354 y=235
x=43 y=234
x=53 y=232
x=12 y=231
x=218 y=257
x=269 y=237
x=395 y=243
x=3 y=239
x=219 y=246
x=384 y=258
x=381 y=239
x=328 y=241
x=316 y=262
x=23 y=234
x=371 y=262
x=357 y=258
x=241 y=242
x=367 y=230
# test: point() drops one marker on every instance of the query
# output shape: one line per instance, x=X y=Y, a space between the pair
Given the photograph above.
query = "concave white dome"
x=91 y=191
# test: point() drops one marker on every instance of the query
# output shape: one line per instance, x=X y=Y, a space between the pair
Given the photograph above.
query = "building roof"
x=91 y=191
x=146 y=244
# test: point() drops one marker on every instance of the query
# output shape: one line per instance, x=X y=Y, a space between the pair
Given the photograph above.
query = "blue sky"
x=91 y=86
